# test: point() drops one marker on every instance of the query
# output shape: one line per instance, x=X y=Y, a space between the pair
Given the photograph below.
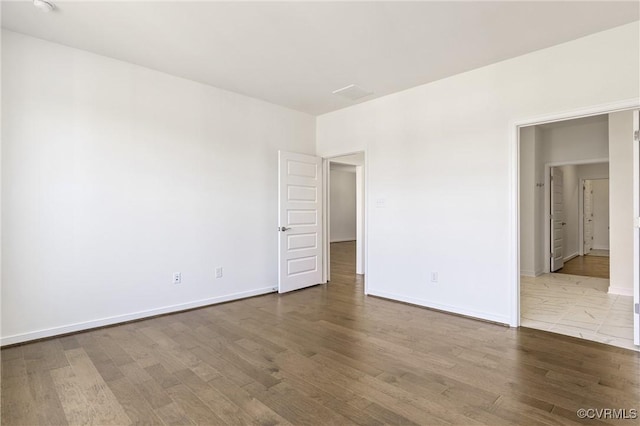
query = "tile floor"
x=577 y=306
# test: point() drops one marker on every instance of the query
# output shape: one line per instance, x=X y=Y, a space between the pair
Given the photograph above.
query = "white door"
x=299 y=221
x=557 y=220
x=587 y=221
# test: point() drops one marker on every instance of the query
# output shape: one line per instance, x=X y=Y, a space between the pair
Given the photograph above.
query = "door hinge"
x=636 y=308
x=636 y=135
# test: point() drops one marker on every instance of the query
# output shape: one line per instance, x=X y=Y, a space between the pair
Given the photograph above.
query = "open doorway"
x=560 y=162
x=345 y=214
x=579 y=219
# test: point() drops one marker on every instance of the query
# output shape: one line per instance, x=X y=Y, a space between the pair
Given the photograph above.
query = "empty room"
x=320 y=213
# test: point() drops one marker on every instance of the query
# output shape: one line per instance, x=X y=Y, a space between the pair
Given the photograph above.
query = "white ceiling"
x=296 y=53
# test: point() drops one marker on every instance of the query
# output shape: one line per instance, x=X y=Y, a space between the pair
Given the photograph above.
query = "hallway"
x=587 y=266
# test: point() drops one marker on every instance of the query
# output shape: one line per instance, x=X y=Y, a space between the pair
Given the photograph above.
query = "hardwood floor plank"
x=262 y=414
x=388 y=416
x=163 y=377
x=223 y=407
x=196 y=410
x=153 y=393
x=105 y=405
x=45 y=397
x=173 y=415
x=103 y=363
x=587 y=266
x=133 y=403
x=294 y=406
x=135 y=373
x=76 y=405
x=18 y=405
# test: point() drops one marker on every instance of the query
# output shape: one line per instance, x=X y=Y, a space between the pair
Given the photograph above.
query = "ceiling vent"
x=352 y=92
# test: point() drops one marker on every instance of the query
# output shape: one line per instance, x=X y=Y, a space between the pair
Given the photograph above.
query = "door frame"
x=581 y=215
x=326 y=199
x=514 y=187
x=547 y=203
x=636 y=231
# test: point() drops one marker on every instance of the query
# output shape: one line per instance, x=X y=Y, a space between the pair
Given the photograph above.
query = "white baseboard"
x=571 y=256
x=531 y=273
x=342 y=240
x=501 y=319
x=622 y=291
x=86 y=325
x=600 y=248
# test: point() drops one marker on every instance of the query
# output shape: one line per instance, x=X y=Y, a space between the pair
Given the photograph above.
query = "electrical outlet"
x=219 y=272
x=434 y=277
x=177 y=277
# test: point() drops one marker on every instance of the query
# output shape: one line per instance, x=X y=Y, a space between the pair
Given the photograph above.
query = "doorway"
x=556 y=162
x=594 y=257
x=579 y=219
x=345 y=215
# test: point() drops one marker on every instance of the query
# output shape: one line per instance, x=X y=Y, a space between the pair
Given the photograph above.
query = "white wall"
x=621 y=199
x=438 y=159
x=593 y=171
x=529 y=187
x=115 y=176
x=600 y=189
x=343 y=205
x=575 y=140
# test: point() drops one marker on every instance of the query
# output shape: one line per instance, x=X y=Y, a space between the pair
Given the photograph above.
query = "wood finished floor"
x=587 y=266
x=324 y=355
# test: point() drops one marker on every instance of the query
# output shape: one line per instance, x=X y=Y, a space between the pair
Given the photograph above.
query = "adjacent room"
x=322 y=213
x=566 y=232
x=346 y=220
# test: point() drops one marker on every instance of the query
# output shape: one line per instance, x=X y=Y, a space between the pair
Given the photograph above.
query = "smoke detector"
x=44 y=6
x=352 y=92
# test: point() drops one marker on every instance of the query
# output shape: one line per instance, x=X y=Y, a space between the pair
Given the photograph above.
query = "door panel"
x=300 y=221
x=557 y=220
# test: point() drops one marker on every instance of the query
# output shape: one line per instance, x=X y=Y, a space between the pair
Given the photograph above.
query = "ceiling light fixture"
x=44 y=6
